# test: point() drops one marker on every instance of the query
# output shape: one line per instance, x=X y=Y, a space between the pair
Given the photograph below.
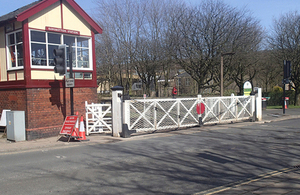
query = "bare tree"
x=270 y=74
x=148 y=37
x=285 y=42
x=245 y=39
x=204 y=33
x=106 y=70
x=122 y=23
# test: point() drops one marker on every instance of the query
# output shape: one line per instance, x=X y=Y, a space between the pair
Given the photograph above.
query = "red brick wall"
x=13 y=99
x=46 y=108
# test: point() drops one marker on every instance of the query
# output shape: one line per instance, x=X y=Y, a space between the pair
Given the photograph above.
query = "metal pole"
x=71 y=76
x=221 y=77
x=221 y=74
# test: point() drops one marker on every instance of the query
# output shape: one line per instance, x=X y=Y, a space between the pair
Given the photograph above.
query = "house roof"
x=26 y=11
x=185 y=74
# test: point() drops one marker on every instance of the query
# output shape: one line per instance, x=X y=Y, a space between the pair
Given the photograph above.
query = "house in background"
x=185 y=84
x=28 y=37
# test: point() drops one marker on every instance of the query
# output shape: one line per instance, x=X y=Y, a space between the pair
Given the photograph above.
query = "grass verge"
x=280 y=107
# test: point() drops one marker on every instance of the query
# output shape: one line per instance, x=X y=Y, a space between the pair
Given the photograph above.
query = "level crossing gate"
x=98 y=118
x=157 y=114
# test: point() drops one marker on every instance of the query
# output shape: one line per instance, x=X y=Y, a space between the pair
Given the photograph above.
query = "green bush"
x=276 y=97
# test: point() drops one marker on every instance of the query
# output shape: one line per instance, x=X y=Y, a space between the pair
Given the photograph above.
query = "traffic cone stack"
x=75 y=132
x=82 y=131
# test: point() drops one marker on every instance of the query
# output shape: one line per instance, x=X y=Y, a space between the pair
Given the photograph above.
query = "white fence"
x=155 y=114
x=227 y=109
x=98 y=118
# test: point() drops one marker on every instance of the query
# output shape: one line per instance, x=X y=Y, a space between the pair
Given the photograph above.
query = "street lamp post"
x=221 y=74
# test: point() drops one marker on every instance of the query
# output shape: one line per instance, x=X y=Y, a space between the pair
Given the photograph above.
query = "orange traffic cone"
x=75 y=132
x=82 y=131
x=285 y=106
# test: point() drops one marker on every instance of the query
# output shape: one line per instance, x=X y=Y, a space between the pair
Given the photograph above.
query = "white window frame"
x=179 y=82
x=187 y=81
x=8 y=61
x=61 y=39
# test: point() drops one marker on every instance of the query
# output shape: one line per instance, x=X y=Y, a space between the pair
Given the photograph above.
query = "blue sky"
x=263 y=10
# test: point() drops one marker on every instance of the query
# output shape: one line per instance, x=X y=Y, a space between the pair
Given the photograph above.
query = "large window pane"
x=69 y=40
x=12 y=56
x=38 y=36
x=38 y=54
x=73 y=57
x=11 y=39
x=54 y=38
x=82 y=42
x=19 y=37
x=83 y=58
x=50 y=54
x=20 y=54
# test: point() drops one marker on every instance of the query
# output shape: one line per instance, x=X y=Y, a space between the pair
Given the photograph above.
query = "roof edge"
x=96 y=28
x=46 y=3
x=34 y=9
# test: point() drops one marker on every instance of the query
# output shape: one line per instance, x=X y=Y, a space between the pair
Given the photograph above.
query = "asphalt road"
x=224 y=159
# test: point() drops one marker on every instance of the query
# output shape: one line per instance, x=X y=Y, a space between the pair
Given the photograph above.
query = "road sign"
x=70 y=82
x=69 y=124
x=174 y=91
x=247 y=88
x=200 y=108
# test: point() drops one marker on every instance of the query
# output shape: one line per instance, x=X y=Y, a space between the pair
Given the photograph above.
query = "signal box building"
x=28 y=37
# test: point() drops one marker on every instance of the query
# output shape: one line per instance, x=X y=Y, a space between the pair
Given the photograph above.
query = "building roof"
x=185 y=74
x=13 y=15
x=28 y=10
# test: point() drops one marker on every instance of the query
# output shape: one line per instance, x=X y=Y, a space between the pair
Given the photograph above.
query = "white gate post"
x=233 y=105
x=86 y=118
x=116 y=108
x=258 y=105
x=126 y=112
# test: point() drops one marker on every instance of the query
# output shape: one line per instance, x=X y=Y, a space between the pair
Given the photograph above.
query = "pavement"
x=7 y=147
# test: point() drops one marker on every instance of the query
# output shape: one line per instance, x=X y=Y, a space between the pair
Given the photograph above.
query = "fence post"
x=126 y=112
x=258 y=105
x=253 y=108
x=116 y=109
x=233 y=105
x=86 y=118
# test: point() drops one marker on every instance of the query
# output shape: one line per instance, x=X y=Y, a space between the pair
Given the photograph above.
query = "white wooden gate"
x=155 y=114
x=98 y=118
x=227 y=109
